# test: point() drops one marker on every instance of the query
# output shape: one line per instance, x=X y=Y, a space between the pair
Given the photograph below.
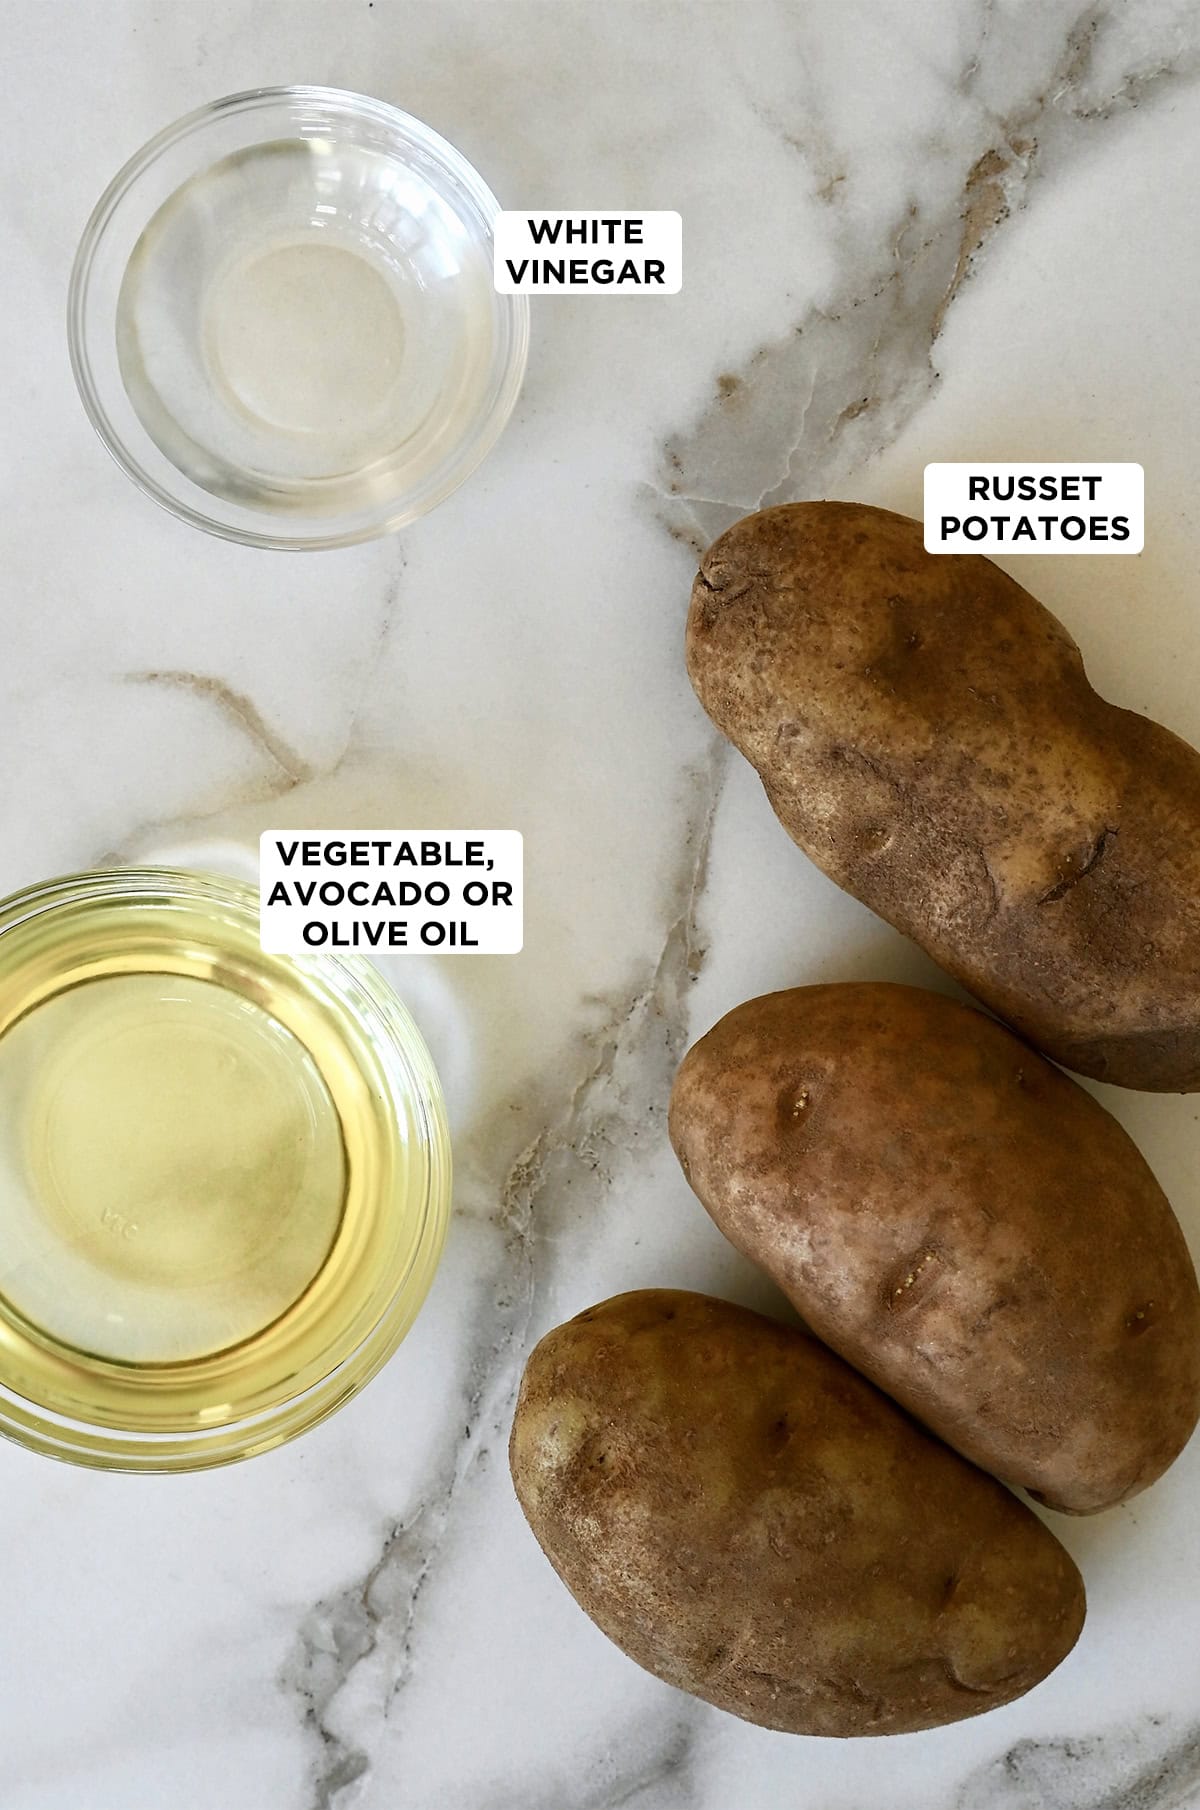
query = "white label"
x=1034 y=508
x=590 y=252
x=449 y=892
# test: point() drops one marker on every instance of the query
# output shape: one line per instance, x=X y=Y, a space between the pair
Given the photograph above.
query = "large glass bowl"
x=283 y=323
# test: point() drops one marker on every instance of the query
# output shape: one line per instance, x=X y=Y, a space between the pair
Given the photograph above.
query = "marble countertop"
x=911 y=232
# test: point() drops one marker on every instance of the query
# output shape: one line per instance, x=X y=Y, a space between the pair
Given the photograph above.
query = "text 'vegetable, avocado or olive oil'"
x=215 y=1175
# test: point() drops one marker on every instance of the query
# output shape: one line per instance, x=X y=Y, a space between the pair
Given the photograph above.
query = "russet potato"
x=958 y=1219
x=753 y=1522
x=926 y=732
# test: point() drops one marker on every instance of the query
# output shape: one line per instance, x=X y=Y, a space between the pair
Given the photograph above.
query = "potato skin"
x=754 y=1523
x=926 y=732
x=960 y=1221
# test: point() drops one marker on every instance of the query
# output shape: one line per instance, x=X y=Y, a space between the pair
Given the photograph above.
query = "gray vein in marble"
x=242 y=712
x=987 y=18
x=627 y=1066
x=820 y=402
x=661 y=1776
x=285 y=768
x=374 y=1618
x=1079 y=71
x=373 y=659
x=669 y=1770
x=808 y=136
x=1143 y=1767
x=338 y=1634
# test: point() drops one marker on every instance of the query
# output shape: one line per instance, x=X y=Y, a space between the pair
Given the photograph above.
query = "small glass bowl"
x=282 y=319
x=224 y=1175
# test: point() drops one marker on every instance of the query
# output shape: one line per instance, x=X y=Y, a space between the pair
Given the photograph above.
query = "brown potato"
x=926 y=733
x=754 y=1523
x=961 y=1221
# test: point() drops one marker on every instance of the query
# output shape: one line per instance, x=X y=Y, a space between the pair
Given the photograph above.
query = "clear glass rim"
x=45 y=1431
x=514 y=312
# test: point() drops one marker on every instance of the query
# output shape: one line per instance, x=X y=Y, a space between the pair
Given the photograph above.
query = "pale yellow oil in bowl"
x=224 y=1176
